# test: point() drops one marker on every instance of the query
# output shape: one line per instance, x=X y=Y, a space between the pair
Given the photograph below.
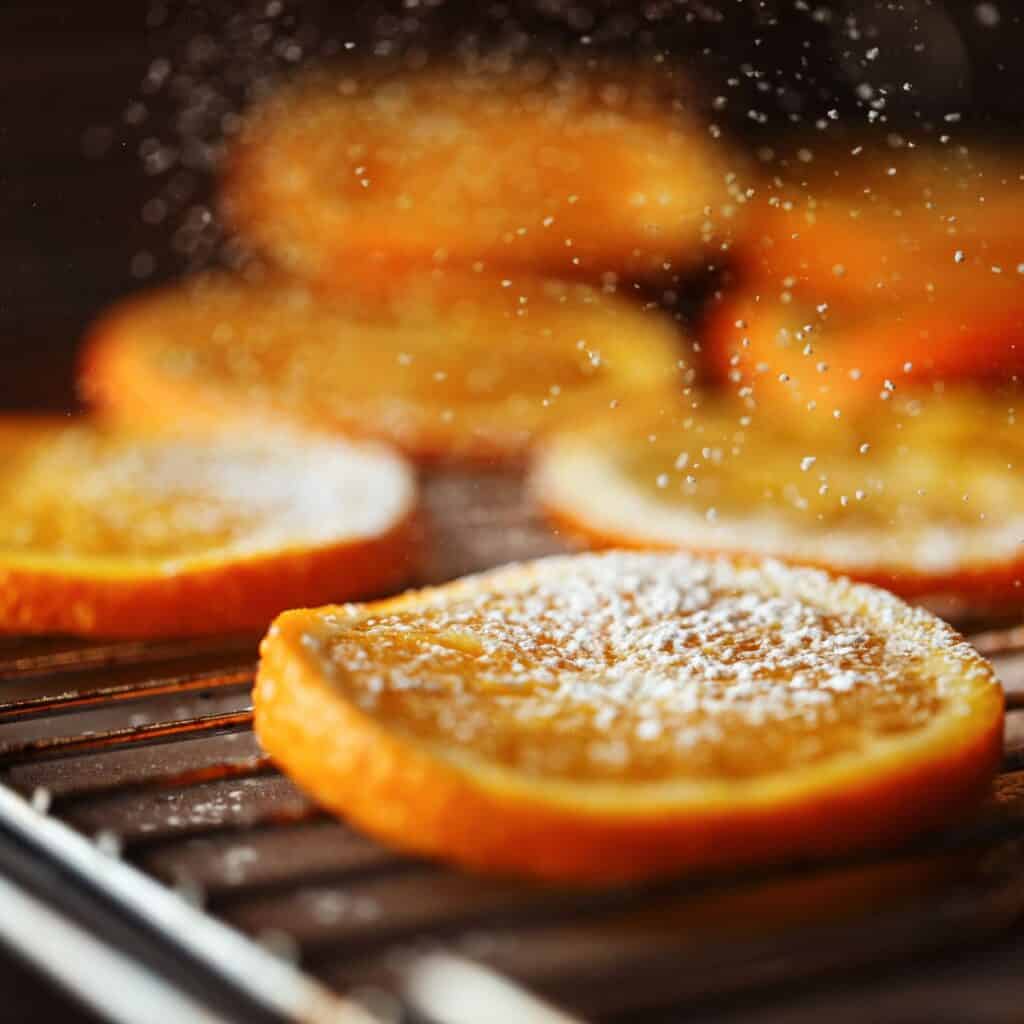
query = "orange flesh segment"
x=584 y=697
x=573 y=173
x=478 y=366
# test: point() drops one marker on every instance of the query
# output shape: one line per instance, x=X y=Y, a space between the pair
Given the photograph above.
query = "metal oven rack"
x=153 y=861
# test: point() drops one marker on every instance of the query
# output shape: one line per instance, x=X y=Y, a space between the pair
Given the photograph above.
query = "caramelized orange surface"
x=613 y=715
x=562 y=171
x=909 y=221
x=108 y=531
x=712 y=696
x=474 y=367
x=920 y=493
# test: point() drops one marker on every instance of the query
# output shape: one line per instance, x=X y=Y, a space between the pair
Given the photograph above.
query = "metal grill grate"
x=137 y=762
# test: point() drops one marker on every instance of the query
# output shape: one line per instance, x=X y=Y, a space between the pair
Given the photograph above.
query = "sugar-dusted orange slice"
x=845 y=354
x=910 y=222
x=557 y=170
x=117 y=533
x=921 y=495
x=604 y=717
x=473 y=370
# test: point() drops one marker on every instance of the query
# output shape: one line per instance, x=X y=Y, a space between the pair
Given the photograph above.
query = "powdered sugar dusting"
x=82 y=491
x=898 y=502
x=648 y=666
x=424 y=371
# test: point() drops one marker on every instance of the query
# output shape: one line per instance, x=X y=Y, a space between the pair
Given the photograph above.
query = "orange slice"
x=564 y=171
x=841 y=355
x=605 y=717
x=922 y=495
x=910 y=222
x=109 y=532
x=473 y=369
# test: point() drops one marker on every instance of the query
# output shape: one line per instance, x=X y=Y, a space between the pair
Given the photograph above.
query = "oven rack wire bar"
x=157 y=915
x=151 y=733
x=84 y=958
x=257 y=986
x=79 y=700
x=118 y=655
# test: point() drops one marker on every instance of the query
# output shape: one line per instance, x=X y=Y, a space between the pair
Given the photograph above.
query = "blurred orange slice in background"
x=847 y=354
x=557 y=170
x=116 y=533
x=903 y=221
x=464 y=367
x=921 y=495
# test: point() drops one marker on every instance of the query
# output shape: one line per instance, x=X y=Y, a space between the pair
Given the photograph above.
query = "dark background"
x=110 y=115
